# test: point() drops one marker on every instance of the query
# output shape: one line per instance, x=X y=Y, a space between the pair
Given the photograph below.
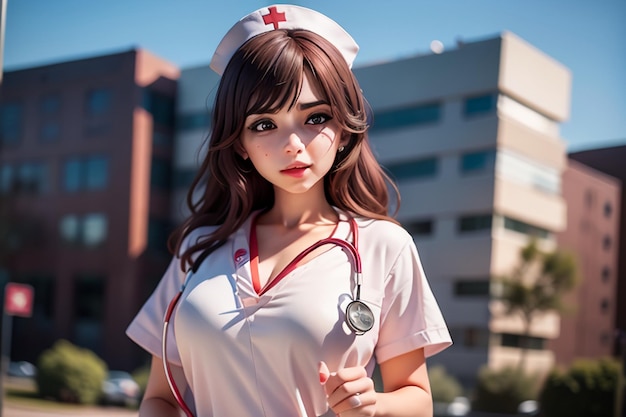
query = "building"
x=610 y=160
x=593 y=207
x=472 y=137
x=85 y=166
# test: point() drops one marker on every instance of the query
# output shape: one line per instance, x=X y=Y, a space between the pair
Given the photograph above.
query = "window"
x=480 y=105
x=608 y=210
x=89 y=290
x=607 y=242
x=420 y=227
x=468 y=224
x=474 y=288
x=11 y=115
x=519 y=341
x=474 y=337
x=24 y=178
x=409 y=116
x=604 y=305
x=606 y=274
x=160 y=106
x=86 y=173
x=422 y=168
x=476 y=162
x=522 y=170
x=98 y=102
x=527 y=229
x=88 y=231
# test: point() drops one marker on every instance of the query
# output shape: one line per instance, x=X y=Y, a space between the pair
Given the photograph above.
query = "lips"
x=295 y=170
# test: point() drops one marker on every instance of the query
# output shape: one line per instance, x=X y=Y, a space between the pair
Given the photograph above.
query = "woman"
x=273 y=320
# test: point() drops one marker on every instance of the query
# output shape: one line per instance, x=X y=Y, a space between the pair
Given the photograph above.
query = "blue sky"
x=588 y=37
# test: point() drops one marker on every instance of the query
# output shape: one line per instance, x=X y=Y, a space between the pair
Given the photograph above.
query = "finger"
x=339 y=378
x=324 y=373
x=343 y=397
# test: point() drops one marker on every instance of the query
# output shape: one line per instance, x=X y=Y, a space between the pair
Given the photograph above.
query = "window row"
x=473 y=337
x=87 y=230
x=477 y=223
x=503 y=163
x=97 y=104
x=87 y=173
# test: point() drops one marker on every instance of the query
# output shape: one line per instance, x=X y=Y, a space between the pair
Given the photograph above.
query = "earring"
x=341 y=148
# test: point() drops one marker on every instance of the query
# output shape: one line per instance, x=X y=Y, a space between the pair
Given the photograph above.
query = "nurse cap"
x=282 y=16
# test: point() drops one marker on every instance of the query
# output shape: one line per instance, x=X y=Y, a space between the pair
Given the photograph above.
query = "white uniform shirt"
x=246 y=355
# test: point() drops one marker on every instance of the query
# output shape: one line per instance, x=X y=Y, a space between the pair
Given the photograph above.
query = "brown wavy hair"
x=263 y=76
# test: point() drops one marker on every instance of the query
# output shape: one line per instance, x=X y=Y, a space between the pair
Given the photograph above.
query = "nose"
x=294 y=143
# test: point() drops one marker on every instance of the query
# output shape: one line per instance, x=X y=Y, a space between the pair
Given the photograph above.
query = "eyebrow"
x=305 y=106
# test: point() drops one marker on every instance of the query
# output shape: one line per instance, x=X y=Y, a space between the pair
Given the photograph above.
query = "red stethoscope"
x=359 y=316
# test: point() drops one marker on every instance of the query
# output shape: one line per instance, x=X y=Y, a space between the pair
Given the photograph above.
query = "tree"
x=536 y=286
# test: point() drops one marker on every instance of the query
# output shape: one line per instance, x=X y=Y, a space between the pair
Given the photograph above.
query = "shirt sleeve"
x=410 y=316
x=146 y=329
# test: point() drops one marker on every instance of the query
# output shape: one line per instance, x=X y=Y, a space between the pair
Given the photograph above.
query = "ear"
x=239 y=149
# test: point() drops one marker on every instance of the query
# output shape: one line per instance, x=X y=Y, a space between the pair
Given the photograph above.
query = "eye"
x=262 y=126
x=318 y=119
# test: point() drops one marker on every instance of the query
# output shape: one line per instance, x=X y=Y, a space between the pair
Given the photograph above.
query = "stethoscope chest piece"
x=359 y=317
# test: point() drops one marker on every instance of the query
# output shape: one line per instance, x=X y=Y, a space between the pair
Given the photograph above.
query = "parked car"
x=22 y=369
x=119 y=388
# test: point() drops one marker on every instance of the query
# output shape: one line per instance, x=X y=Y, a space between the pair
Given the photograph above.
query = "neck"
x=292 y=210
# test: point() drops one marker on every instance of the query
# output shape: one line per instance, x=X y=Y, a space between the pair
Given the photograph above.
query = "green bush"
x=587 y=389
x=68 y=373
x=501 y=391
x=443 y=386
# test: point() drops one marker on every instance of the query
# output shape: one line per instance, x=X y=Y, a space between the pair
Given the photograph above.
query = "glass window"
x=408 y=116
x=89 y=301
x=11 y=115
x=527 y=229
x=160 y=106
x=94 y=229
x=98 y=101
x=522 y=170
x=32 y=178
x=474 y=223
x=72 y=175
x=606 y=274
x=518 y=340
x=472 y=288
x=480 y=105
x=69 y=228
x=86 y=173
x=422 y=168
x=420 y=227
x=96 y=172
x=7 y=178
x=607 y=242
x=608 y=210
x=475 y=162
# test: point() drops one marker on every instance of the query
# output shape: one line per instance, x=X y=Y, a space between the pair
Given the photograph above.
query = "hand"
x=350 y=391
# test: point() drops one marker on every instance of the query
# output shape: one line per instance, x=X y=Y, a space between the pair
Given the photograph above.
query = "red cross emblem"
x=274 y=17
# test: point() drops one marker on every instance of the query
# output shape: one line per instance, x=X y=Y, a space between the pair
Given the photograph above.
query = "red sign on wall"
x=18 y=299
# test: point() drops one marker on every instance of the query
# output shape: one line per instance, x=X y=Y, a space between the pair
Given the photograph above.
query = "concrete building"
x=593 y=207
x=85 y=164
x=472 y=137
x=610 y=160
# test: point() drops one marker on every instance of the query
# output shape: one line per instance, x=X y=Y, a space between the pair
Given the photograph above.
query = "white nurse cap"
x=282 y=16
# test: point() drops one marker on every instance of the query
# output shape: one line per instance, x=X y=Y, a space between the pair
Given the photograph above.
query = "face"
x=294 y=148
